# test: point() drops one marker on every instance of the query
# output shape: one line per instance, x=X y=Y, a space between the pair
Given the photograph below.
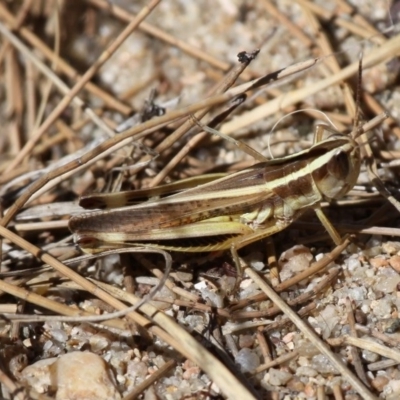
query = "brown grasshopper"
x=232 y=211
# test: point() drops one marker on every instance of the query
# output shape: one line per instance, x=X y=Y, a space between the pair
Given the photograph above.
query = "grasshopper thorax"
x=336 y=171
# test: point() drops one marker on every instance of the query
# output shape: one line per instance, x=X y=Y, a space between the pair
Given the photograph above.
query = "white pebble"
x=277 y=377
x=247 y=360
x=59 y=335
x=353 y=263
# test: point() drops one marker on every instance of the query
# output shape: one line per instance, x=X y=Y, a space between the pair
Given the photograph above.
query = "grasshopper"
x=231 y=211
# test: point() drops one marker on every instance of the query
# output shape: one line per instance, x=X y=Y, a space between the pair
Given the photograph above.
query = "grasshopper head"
x=337 y=170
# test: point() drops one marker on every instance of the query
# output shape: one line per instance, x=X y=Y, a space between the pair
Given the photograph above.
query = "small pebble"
x=353 y=264
x=306 y=349
x=372 y=251
x=192 y=372
x=247 y=359
x=378 y=262
x=370 y=356
x=37 y=375
x=379 y=383
x=294 y=260
x=136 y=369
x=382 y=308
x=295 y=384
x=98 y=343
x=391 y=247
x=309 y=390
x=84 y=376
x=278 y=377
x=395 y=263
x=323 y=365
x=395 y=386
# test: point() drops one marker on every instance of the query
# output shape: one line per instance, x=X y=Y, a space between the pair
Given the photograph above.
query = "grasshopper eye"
x=338 y=165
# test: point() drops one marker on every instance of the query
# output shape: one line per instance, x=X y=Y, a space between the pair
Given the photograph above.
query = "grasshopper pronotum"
x=231 y=211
